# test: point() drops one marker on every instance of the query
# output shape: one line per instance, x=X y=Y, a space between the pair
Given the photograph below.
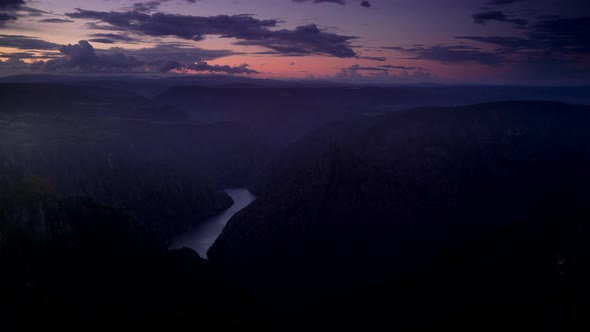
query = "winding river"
x=202 y=237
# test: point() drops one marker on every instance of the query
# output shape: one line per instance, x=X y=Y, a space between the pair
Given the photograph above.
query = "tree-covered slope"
x=426 y=196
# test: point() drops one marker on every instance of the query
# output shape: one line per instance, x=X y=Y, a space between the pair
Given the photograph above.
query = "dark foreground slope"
x=70 y=262
x=429 y=217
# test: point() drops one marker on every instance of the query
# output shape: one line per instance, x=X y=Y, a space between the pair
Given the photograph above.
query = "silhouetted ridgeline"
x=460 y=216
x=81 y=100
x=285 y=113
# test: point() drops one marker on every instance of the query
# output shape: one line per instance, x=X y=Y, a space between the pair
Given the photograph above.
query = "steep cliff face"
x=70 y=261
x=33 y=216
x=169 y=175
x=418 y=195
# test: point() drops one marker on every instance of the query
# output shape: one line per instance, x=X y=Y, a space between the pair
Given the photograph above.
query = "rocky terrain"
x=440 y=213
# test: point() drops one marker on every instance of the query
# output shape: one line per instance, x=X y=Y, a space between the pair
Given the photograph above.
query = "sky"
x=376 y=41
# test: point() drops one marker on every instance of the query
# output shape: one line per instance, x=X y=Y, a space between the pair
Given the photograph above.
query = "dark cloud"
x=550 y=48
x=359 y=73
x=30 y=55
x=501 y=2
x=359 y=67
x=8 y=10
x=183 y=26
x=6 y=17
x=340 y=2
x=11 y=4
x=103 y=40
x=150 y=6
x=55 y=20
x=147 y=6
x=565 y=36
x=561 y=35
x=11 y=10
x=495 y=15
x=303 y=40
x=13 y=66
x=402 y=67
x=181 y=54
x=174 y=53
x=365 y=3
x=205 y=67
x=373 y=58
x=26 y=43
x=513 y=43
x=32 y=11
x=111 y=38
x=82 y=57
x=452 y=54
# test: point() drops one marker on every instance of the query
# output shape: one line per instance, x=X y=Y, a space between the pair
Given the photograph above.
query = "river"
x=202 y=236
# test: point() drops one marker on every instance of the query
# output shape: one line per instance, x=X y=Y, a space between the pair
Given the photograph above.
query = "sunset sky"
x=383 y=41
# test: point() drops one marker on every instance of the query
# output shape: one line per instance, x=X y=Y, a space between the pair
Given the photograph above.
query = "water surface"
x=202 y=237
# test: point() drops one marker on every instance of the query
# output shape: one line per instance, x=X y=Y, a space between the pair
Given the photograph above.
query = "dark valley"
x=446 y=212
x=289 y=165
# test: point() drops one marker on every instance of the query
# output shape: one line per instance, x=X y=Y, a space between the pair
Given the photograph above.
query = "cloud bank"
x=247 y=30
x=83 y=57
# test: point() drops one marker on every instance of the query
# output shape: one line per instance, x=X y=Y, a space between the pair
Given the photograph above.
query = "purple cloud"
x=303 y=40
